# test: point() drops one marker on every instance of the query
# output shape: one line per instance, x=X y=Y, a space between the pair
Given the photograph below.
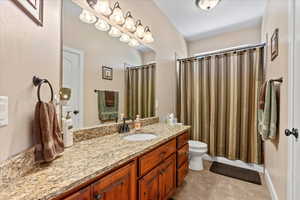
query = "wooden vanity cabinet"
x=156 y=156
x=159 y=183
x=149 y=185
x=151 y=176
x=168 y=178
x=182 y=157
x=119 y=185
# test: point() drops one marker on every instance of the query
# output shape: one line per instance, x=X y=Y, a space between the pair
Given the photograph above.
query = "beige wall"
x=276 y=152
x=225 y=40
x=25 y=50
x=99 y=49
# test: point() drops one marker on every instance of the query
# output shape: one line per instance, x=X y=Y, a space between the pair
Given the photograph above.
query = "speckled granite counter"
x=82 y=162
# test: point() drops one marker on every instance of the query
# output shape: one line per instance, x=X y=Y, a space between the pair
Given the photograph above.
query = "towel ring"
x=39 y=82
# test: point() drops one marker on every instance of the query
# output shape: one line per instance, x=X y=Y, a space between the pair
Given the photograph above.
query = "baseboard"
x=236 y=163
x=270 y=185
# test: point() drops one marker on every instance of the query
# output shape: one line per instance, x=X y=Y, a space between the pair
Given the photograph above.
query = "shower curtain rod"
x=140 y=66
x=234 y=49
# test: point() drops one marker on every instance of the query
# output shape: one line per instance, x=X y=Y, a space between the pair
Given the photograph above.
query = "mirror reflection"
x=104 y=78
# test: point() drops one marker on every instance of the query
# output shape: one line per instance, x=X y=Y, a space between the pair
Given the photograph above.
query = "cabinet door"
x=182 y=155
x=84 y=194
x=167 y=178
x=182 y=173
x=149 y=185
x=119 y=185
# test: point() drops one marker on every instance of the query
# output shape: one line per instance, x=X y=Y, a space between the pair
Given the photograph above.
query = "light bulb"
x=102 y=25
x=114 y=32
x=133 y=43
x=129 y=23
x=124 y=38
x=102 y=6
x=139 y=30
x=148 y=38
x=87 y=17
x=207 y=4
x=117 y=15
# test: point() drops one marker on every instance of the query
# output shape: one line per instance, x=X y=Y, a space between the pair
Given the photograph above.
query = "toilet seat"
x=196 y=145
x=198 y=150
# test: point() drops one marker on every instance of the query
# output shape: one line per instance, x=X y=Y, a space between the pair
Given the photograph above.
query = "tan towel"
x=49 y=142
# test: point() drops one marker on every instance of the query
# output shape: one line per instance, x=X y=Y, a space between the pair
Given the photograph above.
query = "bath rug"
x=236 y=172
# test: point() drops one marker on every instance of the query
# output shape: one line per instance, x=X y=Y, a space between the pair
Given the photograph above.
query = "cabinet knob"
x=162 y=154
x=98 y=196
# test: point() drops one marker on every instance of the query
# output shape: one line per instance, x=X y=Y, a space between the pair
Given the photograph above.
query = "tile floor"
x=206 y=185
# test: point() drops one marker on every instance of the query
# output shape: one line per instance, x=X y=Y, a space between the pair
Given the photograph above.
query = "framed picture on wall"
x=274 y=44
x=107 y=73
x=33 y=9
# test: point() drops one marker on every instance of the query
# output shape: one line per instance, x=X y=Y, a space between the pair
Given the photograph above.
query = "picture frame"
x=33 y=9
x=274 y=44
x=107 y=73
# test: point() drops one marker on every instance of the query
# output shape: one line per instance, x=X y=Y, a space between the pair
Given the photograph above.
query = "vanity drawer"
x=84 y=194
x=182 y=155
x=182 y=140
x=153 y=158
x=181 y=173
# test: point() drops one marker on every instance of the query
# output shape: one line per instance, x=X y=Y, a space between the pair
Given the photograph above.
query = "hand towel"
x=262 y=96
x=267 y=114
x=109 y=98
x=47 y=133
x=107 y=113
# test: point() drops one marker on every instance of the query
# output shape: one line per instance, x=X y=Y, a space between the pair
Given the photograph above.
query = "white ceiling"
x=194 y=23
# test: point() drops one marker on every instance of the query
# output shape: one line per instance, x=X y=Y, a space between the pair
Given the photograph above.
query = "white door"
x=294 y=101
x=73 y=79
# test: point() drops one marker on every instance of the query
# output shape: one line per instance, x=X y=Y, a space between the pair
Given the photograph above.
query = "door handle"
x=76 y=112
x=294 y=132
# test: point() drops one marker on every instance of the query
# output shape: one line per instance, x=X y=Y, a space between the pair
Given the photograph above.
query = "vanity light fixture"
x=87 y=17
x=102 y=25
x=139 y=29
x=148 y=38
x=102 y=6
x=114 y=32
x=113 y=21
x=207 y=4
x=129 y=22
x=117 y=15
x=124 y=38
x=133 y=43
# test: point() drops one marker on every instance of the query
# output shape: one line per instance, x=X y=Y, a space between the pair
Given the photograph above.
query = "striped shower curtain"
x=218 y=96
x=140 y=91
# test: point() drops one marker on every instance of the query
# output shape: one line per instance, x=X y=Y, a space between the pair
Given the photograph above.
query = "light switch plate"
x=3 y=111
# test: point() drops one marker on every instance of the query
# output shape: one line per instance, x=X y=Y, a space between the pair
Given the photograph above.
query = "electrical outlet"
x=3 y=111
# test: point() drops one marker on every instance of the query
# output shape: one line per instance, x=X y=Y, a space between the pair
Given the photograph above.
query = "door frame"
x=81 y=80
x=291 y=90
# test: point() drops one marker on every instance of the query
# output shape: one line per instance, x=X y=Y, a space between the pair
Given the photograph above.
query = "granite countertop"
x=82 y=162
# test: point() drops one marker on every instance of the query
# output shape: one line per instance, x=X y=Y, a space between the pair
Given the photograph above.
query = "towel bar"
x=279 y=80
x=38 y=83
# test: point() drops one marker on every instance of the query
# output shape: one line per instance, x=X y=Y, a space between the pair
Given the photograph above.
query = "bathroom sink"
x=140 y=137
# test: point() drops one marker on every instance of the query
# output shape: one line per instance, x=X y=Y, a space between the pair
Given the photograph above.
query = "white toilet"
x=196 y=151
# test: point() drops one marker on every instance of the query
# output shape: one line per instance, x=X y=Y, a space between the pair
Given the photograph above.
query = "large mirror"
x=103 y=76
